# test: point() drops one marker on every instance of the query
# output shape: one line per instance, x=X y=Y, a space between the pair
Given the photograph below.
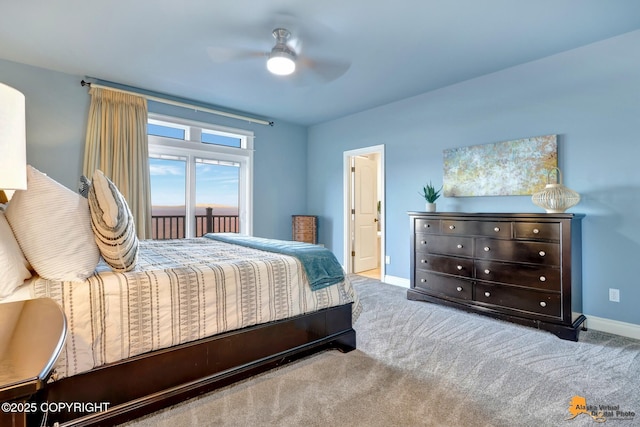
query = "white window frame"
x=191 y=148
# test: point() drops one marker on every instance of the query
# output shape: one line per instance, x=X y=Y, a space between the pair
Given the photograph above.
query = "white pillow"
x=14 y=267
x=52 y=224
x=113 y=225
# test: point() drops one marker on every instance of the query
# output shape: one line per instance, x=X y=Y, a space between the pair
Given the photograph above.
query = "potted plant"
x=430 y=194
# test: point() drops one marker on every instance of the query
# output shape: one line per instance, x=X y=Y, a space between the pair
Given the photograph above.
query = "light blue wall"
x=590 y=97
x=57 y=108
x=56 y=113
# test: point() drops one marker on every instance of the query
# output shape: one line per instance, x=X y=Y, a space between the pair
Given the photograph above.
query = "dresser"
x=305 y=228
x=523 y=268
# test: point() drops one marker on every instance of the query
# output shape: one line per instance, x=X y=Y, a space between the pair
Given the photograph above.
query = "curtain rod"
x=182 y=104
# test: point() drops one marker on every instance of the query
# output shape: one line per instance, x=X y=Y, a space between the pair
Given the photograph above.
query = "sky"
x=215 y=184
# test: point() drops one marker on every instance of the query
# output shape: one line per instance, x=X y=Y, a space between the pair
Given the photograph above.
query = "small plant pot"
x=430 y=207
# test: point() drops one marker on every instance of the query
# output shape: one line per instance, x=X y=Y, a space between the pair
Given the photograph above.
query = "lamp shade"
x=13 y=157
x=555 y=197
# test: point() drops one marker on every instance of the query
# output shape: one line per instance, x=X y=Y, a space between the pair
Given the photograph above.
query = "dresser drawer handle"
x=459 y=289
x=487 y=249
x=536 y=231
x=459 y=246
x=542 y=253
x=423 y=261
x=423 y=280
x=427 y=225
x=496 y=229
x=543 y=304
x=487 y=294
x=487 y=271
x=451 y=227
x=459 y=267
x=423 y=242
x=543 y=279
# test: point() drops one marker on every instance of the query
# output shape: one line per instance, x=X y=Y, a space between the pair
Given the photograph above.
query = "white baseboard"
x=398 y=281
x=624 y=329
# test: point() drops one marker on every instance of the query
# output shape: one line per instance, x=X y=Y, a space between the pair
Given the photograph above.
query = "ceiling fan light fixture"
x=282 y=59
x=281 y=63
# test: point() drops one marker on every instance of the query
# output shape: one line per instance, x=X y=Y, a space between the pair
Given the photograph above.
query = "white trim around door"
x=348 y=202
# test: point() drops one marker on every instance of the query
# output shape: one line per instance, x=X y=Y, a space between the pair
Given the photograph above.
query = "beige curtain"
x=116 y=144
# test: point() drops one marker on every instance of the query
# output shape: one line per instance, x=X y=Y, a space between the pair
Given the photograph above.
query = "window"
x=220 y=139
x=200 y=178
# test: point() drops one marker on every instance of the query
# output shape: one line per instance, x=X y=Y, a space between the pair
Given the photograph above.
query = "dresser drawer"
x=305 y=227
x=442 y=264
x=444 y=285
x=500 y=229
x=423 y=225
x=519 y=251
x=446 y=245
x=537 y=230
x=494 y=229
x=545 y=303
x=305 y=236
x=455 y=226
x=534 y=276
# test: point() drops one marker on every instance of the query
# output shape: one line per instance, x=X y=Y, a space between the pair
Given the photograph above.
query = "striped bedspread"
x=319 y=263
x=181 y=291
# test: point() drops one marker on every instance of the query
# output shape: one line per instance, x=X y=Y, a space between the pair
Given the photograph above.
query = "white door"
x=365 y=202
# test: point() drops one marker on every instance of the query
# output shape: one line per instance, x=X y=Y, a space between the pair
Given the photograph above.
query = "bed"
x=178 y=319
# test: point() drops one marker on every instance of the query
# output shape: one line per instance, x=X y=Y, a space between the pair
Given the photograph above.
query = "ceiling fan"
x=282 y=58
x=286 y=58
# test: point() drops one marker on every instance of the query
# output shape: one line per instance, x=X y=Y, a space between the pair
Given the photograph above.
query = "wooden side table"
x=32 y=334
x=305 y=228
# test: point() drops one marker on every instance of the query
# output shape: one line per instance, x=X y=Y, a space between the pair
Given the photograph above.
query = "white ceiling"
x=395 y=49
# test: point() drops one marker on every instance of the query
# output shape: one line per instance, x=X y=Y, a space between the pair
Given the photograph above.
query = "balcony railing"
x=173 y=226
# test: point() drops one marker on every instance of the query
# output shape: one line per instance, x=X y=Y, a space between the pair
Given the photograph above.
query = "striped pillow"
x=83 y=186
x=112 y=222
x=14 y=267
x=52 y=224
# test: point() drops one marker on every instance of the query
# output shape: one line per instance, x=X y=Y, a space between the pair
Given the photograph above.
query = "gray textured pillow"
x=52 y=224
x=113 y=225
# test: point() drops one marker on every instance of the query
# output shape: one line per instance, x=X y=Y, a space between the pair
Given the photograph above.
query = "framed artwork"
x=509 y=168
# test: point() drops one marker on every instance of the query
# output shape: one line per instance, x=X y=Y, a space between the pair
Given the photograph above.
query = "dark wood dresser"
x=523 y=268
x=305 y=228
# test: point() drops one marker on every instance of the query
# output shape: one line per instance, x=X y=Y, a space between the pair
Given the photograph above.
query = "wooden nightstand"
x=305 y=228
x=32 y=334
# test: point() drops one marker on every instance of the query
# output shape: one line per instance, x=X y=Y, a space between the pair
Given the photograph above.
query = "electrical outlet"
x=614 y=295
x=387 y=259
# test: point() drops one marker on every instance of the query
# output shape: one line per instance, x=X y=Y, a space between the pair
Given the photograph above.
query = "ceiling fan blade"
x=221 y=54
x=324 y=70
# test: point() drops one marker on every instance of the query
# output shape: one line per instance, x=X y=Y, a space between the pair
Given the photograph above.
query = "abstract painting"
x=509 y=168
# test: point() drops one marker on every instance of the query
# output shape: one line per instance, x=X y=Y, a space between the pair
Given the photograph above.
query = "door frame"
x=348 y=196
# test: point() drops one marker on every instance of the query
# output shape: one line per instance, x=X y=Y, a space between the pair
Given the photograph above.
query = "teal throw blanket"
x=320 y=264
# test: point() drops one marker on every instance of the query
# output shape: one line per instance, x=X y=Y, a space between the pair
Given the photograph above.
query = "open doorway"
x=364 y=212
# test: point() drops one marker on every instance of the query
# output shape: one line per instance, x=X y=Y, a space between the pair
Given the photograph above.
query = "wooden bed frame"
x=152 y=381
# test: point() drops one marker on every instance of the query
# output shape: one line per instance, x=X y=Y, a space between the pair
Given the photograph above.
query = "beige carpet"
x=420 y=364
